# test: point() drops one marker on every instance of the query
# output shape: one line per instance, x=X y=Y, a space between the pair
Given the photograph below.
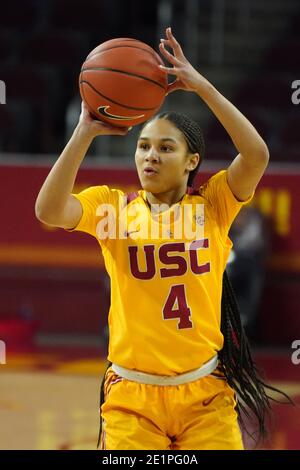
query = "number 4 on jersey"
x=176 y=307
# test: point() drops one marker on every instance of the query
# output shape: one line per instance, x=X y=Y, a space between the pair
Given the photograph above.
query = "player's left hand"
x=187 y=77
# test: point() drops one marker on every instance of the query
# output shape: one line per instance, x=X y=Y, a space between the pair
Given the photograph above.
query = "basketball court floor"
x=49 y=399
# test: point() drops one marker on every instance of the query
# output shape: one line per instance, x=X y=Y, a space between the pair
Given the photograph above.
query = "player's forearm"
x=244 y=136
x=59 y=183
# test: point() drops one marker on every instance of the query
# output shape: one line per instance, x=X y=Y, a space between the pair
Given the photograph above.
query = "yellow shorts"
x=196 y=415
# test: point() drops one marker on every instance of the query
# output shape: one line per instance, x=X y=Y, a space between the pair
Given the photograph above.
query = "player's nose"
x=151 y=155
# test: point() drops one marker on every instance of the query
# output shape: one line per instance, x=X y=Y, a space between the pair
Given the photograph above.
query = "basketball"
x=121 y=82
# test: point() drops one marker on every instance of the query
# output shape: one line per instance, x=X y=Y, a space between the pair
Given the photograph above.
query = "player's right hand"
x=93 y=127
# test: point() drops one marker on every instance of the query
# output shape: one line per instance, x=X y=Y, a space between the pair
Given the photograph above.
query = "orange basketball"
x=121 y=82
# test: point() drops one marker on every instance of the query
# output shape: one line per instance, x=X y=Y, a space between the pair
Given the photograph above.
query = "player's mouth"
x=150 y=171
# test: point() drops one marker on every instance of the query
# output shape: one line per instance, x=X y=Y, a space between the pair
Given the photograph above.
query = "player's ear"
x=193 y=160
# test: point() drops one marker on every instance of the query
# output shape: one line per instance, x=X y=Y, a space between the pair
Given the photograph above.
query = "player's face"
x=162 y=157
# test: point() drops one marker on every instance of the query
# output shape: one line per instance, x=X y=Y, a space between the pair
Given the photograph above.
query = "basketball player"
x=180 y=370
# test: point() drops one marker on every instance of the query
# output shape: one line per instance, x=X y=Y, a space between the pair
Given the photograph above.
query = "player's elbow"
x=262 y=152
x=43 y=215
x=39 y=210
x=260 y=156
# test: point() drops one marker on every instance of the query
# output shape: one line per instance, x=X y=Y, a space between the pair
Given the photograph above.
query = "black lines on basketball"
x=117 y=47
x=126 y=73
x=113 y=101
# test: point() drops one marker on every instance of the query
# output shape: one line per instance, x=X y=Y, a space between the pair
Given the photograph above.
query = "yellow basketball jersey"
x=166 y=273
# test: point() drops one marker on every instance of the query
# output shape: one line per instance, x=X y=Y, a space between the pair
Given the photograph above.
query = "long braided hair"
x=235 y=358
x=240 y=370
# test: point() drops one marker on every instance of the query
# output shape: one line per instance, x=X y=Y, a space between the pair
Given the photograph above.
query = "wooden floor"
x=46 y=410
x=50 y=400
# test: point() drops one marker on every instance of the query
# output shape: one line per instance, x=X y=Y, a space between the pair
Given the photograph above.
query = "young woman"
x=180 y=370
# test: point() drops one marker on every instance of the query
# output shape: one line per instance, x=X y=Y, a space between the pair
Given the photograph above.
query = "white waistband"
x=149 y=379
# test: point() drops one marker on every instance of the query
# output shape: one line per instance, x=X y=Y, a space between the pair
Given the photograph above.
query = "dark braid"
x=102 y=398
x=192 y=133
x=238 y=366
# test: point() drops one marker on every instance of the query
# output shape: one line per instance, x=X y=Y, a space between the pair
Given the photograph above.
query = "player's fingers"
x=170 y=58
x=171 y=70
x=166 y=42
x=174 y=43
x=84 y=110
x=176 y=85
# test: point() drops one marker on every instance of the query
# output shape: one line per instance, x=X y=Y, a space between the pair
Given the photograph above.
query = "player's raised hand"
x=94 y=127
x=187 y=77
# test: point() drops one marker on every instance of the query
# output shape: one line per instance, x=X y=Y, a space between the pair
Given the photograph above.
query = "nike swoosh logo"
x=132 y=231
x=208 y=401
x=103 y=110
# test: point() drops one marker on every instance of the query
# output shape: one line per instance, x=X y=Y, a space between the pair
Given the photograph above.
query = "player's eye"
x=166 y=148
x=144 y=146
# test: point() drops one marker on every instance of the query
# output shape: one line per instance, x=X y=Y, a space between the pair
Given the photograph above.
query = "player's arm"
x=55 y=204
x=246 y=170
